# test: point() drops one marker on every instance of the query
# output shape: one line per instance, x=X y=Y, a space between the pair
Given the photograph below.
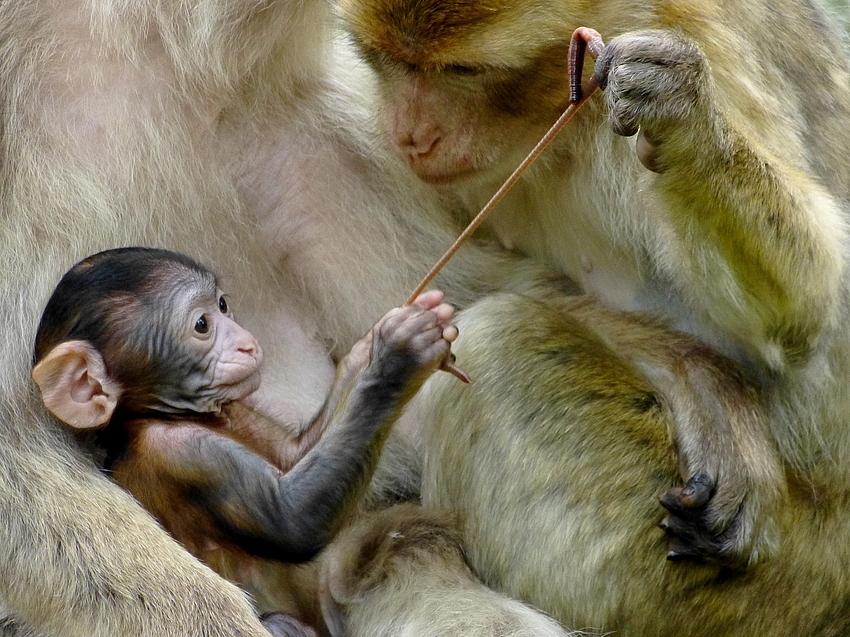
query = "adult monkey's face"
x=468 y=87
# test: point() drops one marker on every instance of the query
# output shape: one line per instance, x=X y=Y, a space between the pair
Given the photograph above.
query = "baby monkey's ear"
x=75 y=386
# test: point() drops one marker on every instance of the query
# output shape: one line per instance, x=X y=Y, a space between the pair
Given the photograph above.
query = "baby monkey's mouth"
x=239 y=388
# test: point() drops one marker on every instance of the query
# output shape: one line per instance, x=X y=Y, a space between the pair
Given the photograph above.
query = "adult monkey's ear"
x=75 y=386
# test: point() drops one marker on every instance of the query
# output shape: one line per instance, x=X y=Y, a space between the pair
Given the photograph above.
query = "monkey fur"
x=377 y=566
x=570 y=554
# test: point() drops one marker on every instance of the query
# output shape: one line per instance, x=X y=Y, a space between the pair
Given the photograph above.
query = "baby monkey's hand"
x=417 y=336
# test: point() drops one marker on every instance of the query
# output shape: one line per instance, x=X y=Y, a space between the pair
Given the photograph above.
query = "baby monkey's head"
x=144 y=330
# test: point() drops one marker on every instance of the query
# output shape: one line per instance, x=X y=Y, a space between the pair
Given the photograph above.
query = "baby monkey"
x=141 y=345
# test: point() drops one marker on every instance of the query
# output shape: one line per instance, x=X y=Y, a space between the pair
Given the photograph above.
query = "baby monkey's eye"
x=222 y=304
x=201 y=325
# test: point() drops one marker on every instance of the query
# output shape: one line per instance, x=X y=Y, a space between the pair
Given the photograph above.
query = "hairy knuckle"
x=624 y=122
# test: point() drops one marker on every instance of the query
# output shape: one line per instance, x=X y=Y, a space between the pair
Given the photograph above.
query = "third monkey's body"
x=586 y=550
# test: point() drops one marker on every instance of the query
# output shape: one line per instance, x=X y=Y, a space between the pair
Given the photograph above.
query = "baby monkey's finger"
x=450 y=333
x=444 y=312
x=430 y=299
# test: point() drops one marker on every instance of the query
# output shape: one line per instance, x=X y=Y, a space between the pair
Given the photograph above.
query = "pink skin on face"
x=231 y=355
x=238 y=367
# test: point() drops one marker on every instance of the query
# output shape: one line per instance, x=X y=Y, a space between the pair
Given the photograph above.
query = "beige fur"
x=378 y=579
x=235 y=131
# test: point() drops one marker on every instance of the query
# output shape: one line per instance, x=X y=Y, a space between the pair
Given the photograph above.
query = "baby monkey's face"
x=145 y=331
x=227 y=356
x=197 y=356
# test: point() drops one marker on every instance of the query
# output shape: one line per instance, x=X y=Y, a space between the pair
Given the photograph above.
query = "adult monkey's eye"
x=463 y=69
x=201 y=325
x=222 y=304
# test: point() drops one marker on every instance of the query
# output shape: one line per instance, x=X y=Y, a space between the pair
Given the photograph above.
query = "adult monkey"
x=126 y=123
x=736 y=233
